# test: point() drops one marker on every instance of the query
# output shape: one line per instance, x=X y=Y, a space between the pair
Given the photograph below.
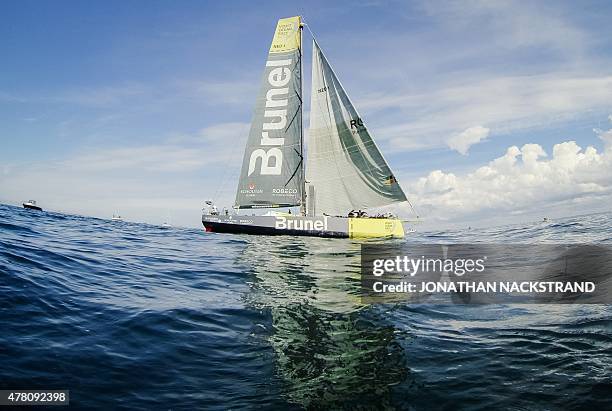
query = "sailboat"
x=345 y=171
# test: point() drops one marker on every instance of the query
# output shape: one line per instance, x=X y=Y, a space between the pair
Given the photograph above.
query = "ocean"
x=134 y=316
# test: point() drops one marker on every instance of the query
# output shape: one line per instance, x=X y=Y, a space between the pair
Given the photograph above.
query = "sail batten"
x=272 y=168
x=345 y=169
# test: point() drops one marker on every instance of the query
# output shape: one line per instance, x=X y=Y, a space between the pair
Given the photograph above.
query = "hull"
x=287 y=224
x=32 y=207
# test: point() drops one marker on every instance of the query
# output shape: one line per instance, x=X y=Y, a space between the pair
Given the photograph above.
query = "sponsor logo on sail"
x=270 y=154
x=356 y=123
x=284 y=191
x=390 y=180
x=251 y=189
x=285 y=35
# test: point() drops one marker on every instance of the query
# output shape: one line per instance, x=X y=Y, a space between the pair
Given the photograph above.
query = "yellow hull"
x=375 y=227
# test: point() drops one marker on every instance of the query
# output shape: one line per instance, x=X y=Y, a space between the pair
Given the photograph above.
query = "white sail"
x=345 y=170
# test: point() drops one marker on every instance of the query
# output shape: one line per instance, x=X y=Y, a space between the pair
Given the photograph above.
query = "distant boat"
x=166 y=223
x=117 y=217
x=545 y=220
x=31 y=204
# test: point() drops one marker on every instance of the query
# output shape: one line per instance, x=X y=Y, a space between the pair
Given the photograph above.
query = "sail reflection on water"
x=330 y=350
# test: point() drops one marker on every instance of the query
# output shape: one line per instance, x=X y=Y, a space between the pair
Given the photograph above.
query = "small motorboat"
x=31 y=204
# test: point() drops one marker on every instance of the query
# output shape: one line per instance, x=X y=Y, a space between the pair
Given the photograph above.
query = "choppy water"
x=131 y=316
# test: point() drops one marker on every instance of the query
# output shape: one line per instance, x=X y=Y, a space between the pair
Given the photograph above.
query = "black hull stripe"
x=216 y=227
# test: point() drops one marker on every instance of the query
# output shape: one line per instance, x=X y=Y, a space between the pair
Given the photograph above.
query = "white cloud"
x=86 y=96
x=513 y=24
x=605 y=136
x=541 y=65
x=212 y=145
x=233 y=92
x=463 y=141
x=10 y=98
x=522 y=181
x=102 y=96
x=505 y=104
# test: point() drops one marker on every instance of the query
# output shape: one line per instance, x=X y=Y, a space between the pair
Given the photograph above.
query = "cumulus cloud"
x=463 y=141
x=523 y=180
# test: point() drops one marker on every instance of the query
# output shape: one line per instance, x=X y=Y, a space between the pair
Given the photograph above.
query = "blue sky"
x=142 y=107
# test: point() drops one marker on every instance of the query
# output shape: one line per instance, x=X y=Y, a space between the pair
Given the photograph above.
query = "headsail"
x=344 y=166
x=272 y=170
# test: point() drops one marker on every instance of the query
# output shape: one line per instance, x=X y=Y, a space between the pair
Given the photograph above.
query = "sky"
x=489 y=112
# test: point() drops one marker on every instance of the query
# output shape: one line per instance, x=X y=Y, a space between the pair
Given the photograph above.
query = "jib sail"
x=346 y=171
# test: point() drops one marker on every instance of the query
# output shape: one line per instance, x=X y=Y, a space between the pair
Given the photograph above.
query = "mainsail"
x=272 y=169
x=345 y=169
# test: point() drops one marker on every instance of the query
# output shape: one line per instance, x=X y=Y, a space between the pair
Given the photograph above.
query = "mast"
x=303 y=206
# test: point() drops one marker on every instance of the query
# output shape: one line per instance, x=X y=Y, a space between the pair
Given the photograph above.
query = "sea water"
x=133 y=316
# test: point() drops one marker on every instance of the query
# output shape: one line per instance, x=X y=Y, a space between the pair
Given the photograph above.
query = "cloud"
x=513 y=24
x=505 y=104
x=232 y=92
x=127 y=94
x=179 y=153
x=522 y=181
x=146 y=197
x=83 y=96
x=102 y=96
x=605 y=136
x=143 y=182
x=11 y=98
x=539 y=65
x=163 y=158
x=463 y=141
